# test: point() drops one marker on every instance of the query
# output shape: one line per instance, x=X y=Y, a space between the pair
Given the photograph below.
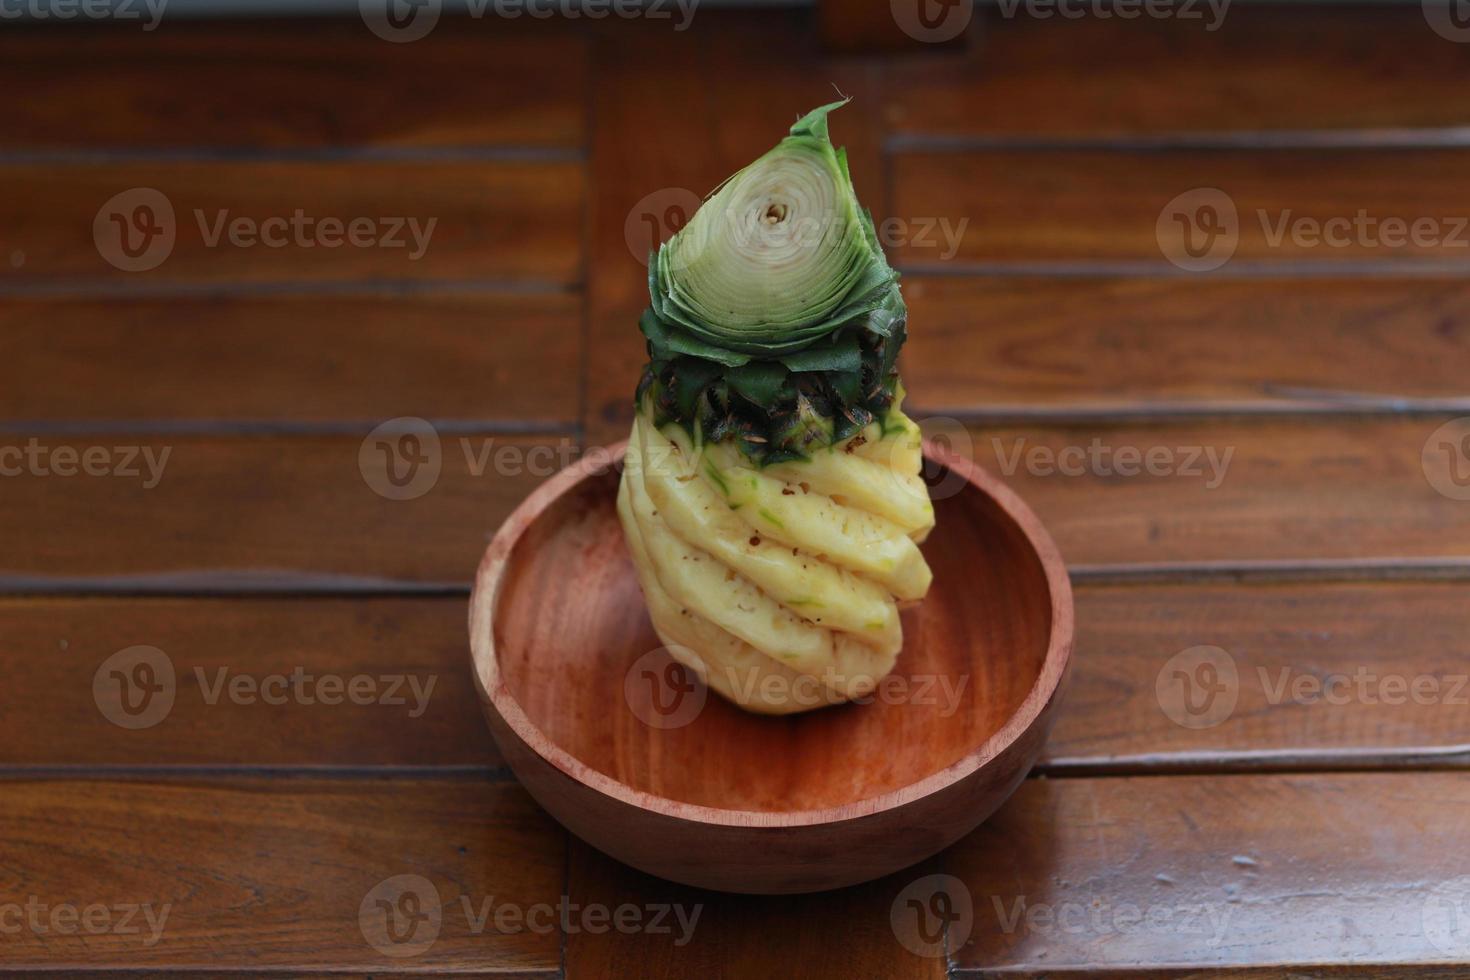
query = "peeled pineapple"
x=783 y=582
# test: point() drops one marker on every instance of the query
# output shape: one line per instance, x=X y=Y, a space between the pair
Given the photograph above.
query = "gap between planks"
x=1448 y=137
x=1275 y=762
x=233 y=584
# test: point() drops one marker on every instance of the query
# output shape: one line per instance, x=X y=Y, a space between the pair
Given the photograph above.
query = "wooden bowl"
x=620 y=745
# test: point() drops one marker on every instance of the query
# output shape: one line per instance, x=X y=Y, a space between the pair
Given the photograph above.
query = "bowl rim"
x=492 y=689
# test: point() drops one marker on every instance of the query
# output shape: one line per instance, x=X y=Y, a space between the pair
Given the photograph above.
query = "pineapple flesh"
x=779 y=586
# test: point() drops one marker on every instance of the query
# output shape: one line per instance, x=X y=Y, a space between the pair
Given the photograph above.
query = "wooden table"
x=1320 y=824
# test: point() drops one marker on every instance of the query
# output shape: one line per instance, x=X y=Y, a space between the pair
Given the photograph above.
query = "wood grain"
x=261 y=512
x=1112 y=719
x=843 y=933
x=256 y=682
x=1217 y=873
x=494 y=221
x=670 y=129
x=272 y=873
x=291 y=359
x=1367 y=70
x=237 y=86
x=1104 y=206
x=1116 y=345
x=1292 y=489
x=1360 y=674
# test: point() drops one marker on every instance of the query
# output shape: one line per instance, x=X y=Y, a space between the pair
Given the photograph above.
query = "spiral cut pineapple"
x=771 y=496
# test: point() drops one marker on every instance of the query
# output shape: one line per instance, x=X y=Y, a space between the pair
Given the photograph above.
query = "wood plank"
x=232 y=512
x=1307 y=675
x=240 y=682
x=272 y=873
x=494 y=221
x=1216 y=873
x=1115 y=345
x=302 y=84
x=1292 y=489
x=670 y=129
x=1367 y=68
x=288 y=974
x=1285 y=642
x=272 y=512
x=1106 y=206
x=843 y=933
x=298 y=359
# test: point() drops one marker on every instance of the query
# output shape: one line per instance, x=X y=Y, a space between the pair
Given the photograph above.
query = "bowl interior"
x=571 y=624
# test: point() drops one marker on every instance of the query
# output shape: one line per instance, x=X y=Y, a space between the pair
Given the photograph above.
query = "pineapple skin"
x=779 y=586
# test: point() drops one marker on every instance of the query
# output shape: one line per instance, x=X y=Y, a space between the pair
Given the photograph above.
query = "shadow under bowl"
x=611 y=736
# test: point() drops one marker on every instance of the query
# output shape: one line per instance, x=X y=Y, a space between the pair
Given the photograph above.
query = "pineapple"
x=771 y=496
